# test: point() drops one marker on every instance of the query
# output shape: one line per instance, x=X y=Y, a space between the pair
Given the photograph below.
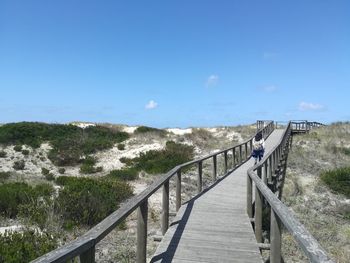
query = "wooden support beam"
x=88 y=256
x=165 y=208
x=178 y=190
x=141 y=250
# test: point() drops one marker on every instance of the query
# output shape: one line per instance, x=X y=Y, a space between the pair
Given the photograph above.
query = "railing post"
x=225 y=161
x=240 y=153
x=258 y=212
x=270 y=168
x=141 y=251
x=246 y=150
x=275 y=237
x=165 y=210
x=250 y=146
x=214 y=168
x=234 y=156
x=199 y=179
x=88 y=256
x=265 y=175
x=249 y=196
x=178 y=190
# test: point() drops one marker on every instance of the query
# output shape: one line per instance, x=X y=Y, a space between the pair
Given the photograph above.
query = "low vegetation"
x=13 y=195
x=88 y=166
x=85 y=201
x=338 y=180
x=25 y=246
x=146 y=129
x=69 y=142
x=161 y=161
x=126 y=174
x=4 y=176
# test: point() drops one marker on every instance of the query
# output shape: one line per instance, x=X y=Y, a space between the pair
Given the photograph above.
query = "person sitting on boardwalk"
x=258 y=147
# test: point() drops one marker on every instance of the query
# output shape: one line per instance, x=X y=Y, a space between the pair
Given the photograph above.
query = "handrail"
x=269 y=174
x=84 y=246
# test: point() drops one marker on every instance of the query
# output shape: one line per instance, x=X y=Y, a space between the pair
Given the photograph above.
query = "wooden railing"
x=304 y=126
x=267 y=179
x=84 y=246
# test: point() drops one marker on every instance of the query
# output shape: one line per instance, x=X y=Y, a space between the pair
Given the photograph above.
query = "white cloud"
x=269 y=88
x=212 y=81
x=306 y=106
x=151 y=105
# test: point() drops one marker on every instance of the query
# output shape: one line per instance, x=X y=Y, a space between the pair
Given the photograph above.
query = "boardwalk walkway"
x=214 y=226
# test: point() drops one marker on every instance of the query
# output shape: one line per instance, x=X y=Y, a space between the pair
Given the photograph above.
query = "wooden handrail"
x=280 y=214
x=84 y=246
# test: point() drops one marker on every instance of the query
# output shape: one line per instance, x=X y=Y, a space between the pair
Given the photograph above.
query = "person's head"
x=258 y=136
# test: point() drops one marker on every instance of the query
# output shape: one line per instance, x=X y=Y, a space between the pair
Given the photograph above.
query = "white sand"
x=83 y=125
x=129 y=129
x=178 y=131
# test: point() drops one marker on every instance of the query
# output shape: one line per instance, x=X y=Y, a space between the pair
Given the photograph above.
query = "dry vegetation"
x=325 y=213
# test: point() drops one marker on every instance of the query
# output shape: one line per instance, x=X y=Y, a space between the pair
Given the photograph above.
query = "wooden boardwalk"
x=214 y=226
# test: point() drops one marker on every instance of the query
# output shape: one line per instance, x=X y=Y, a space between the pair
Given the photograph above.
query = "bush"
x=127 y=161
x=17 y=148
x=61 y=170
x=145 y=129
x=45 y=171
x=50 y=177
x=126 y=174
x=121 y=147
x=338 y=180
x=346 y=151
x=12 y=195
x=25 y=246
x=19 y=165
x=85 y=201
x=4 y=176
x=154 y=162
x=69 y=142
x=88 y=166
x=25 y=152
x=3 y=154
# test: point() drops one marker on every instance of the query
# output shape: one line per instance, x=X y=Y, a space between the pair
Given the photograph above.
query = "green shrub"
x=12 y=195
x=88 y=166
x=69 y=142
x=25 y=152
x=126 y=174
x=346 y=151
x=127 y=161
x=338 y=180
x=19 y=165
x=121 y=147
x=45 y=171
x=17 y=148
x=61 y=170
x=85 y=201
x=50 y=177
x=3 y=154
x=154 y=162
x=4 y=176
x=145 y=129
x=25 y=246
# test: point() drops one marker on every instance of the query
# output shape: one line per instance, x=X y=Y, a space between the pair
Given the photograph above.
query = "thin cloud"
x=212 y=81
x=151 y=105
x=270 y=55
x=270 y=88
x=306 y=106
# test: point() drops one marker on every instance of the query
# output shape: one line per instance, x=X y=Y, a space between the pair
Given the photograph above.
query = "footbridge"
x=223 y=222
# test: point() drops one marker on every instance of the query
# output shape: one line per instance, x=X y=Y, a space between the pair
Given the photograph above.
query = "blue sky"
x=174 y=63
